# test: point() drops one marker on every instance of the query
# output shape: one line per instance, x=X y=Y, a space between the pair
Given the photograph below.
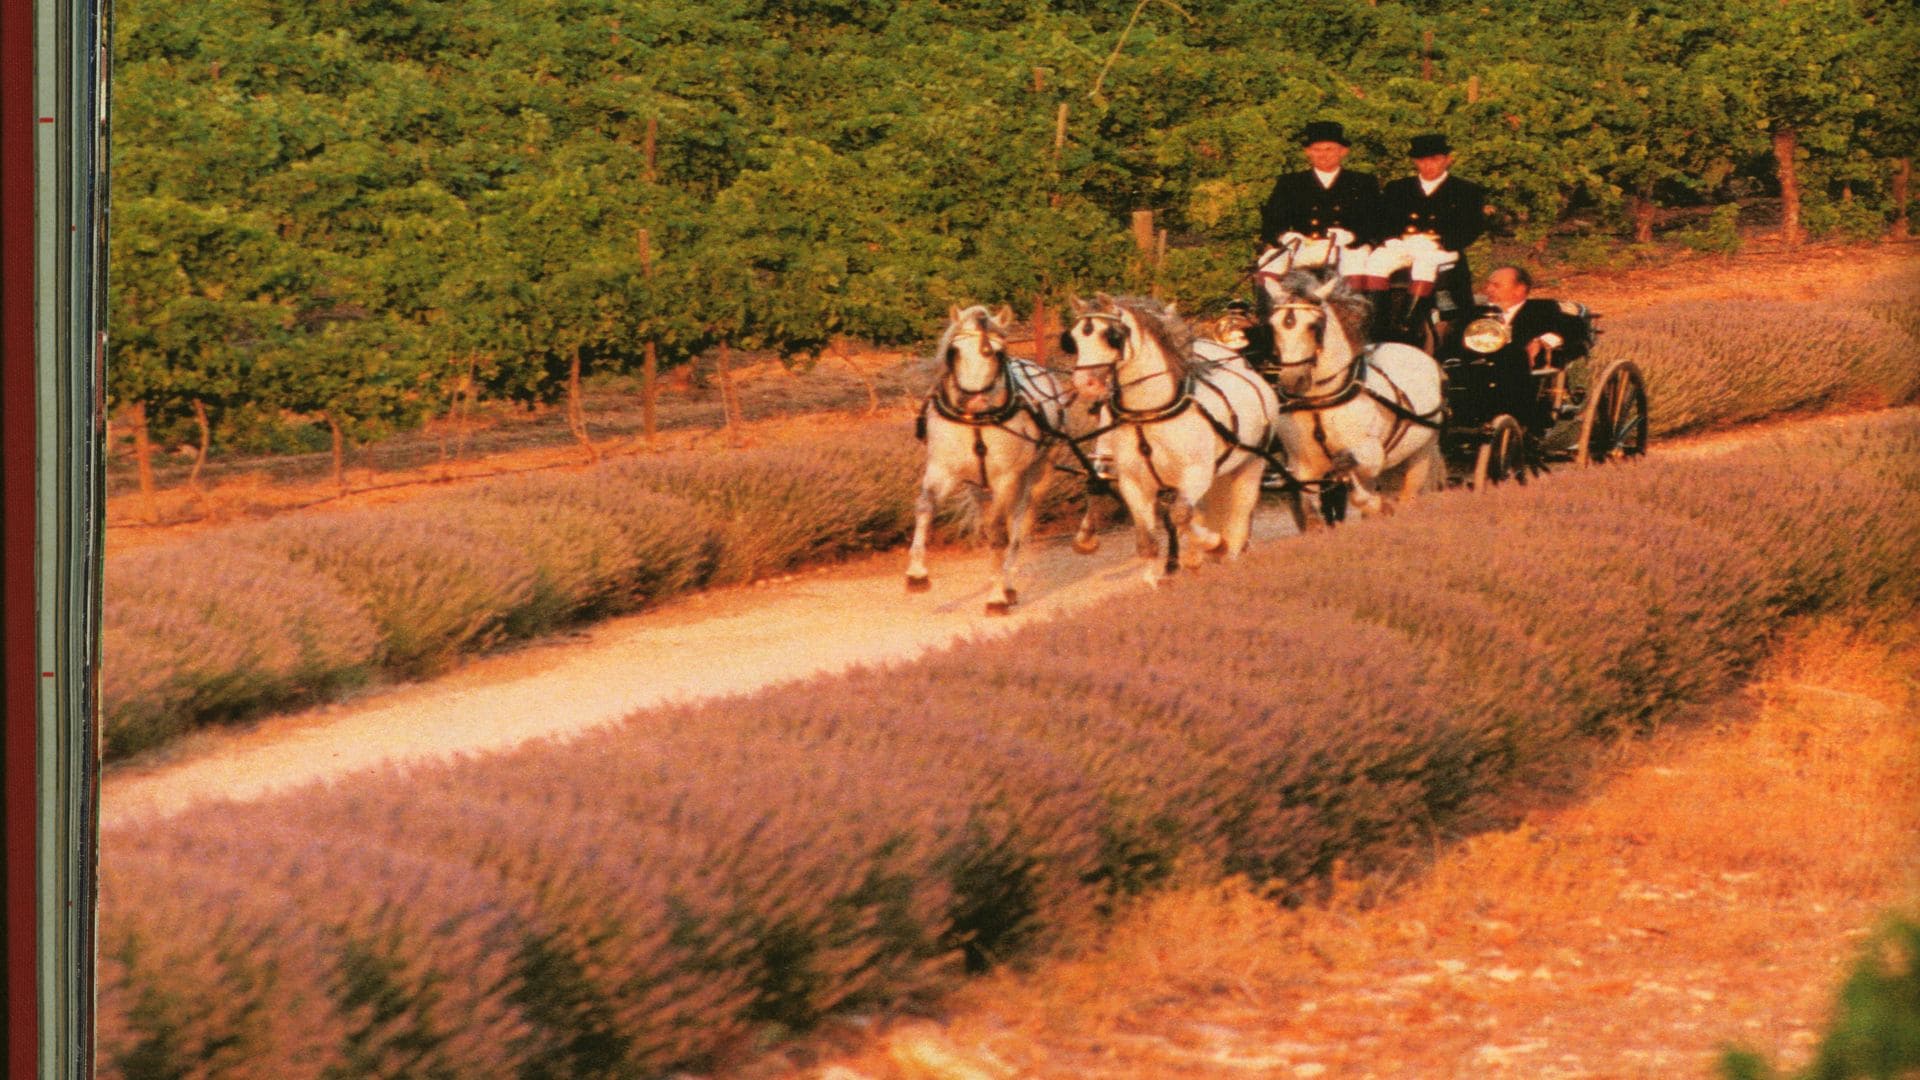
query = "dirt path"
x=730 y=641
x=710 y=645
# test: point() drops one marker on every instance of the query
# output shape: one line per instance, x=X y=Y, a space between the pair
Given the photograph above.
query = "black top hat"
x=1323 y=131
x=1428 y=146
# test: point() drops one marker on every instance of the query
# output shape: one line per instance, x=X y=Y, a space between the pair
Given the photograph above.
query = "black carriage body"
x=1595 y=410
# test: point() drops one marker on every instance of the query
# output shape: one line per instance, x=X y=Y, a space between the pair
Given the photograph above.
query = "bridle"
x=998 y=414
x=1120 y=338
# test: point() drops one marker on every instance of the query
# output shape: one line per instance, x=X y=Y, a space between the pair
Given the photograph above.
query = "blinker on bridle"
x=1116 y=336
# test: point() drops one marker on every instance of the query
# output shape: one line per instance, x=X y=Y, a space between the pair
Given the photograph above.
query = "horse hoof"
x=999 y=607
x=1086 y=545
x=918 y=584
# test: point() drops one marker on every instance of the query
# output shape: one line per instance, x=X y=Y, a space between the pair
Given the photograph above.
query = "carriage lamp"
x=1486 y=335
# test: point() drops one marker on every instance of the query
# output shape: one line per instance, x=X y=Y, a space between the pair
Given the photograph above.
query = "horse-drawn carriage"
x=1189 y=424
x=1594 y=410
x=1585 y=410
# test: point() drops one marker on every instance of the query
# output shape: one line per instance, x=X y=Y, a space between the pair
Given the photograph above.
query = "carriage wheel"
x=1613 y=426
x=1502 y=454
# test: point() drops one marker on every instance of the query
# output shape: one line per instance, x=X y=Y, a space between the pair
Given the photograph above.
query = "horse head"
x=1096 y=337
x=1314 y=325
x=974 y=351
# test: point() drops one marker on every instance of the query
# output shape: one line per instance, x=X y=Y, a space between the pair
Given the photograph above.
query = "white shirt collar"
x=1327 y=178
x=1428 y=185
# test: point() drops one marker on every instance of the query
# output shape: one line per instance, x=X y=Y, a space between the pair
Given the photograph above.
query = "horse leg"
x=1144 y=509
x=933 y=487
x=1086 y=539
x=1236 y=497
x=1367 y=461
x=1420 y=472
x=1001 y=535
x=1026 y=502
x=1195 y=482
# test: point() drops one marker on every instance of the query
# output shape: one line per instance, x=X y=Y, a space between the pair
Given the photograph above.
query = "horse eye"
x=953 y=353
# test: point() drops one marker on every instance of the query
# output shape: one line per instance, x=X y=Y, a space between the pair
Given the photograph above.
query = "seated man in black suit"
x=1541 y=333
x=1328 y=214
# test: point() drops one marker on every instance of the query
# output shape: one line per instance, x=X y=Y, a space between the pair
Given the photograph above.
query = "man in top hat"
x=1325 y=214
x=1426 y=221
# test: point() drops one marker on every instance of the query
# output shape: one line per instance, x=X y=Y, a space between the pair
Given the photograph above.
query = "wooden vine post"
x=1143 y=242
x=1902 y=178
x=1786 y=140
x=1040 y=314
x=650 y=359
x=729 y=399
x=576 y=406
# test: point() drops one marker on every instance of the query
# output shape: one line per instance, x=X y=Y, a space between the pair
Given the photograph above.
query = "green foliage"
x=1876 y=1029
x=1718 y=234
x=336 y=213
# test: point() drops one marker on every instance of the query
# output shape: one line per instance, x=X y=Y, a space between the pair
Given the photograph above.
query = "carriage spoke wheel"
x=1502 y=455
x=1613 y=427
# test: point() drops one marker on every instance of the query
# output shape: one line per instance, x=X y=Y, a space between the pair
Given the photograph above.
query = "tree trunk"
x=1902 y=177
x=206 y=441
x=866 y=380
x=339 y=451
x=650 y=363
x=650 y=395
x=1143 y=246
x=142 y=453
x=1642 y=219
x=576 y=407
x=1040 y=329
x=729 y=400
x=1059 y=143
x=1785 y=141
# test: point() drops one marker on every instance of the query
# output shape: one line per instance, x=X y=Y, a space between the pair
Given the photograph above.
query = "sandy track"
x=728 y=641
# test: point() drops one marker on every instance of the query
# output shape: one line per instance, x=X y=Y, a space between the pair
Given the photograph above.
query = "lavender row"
x=681 y=889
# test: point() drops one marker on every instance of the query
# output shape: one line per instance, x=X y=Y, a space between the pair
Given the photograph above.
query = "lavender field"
x=256 y=617
x=664 y=895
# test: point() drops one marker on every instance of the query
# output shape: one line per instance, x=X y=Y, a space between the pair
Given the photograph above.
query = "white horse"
x=1187 y=428
x=990 y=422
x=1369 y=416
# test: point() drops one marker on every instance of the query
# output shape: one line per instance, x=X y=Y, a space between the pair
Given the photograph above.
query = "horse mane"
x=1167 y=329
x=1348 y=304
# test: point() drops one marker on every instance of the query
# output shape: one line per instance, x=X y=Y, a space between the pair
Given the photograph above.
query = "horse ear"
x=1079 y=305
x=1173 y=307
x=1004 y=316
x=953 y=313
x=1326 y=290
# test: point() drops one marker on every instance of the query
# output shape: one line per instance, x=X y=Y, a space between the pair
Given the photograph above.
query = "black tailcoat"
x=1456 y=211
x=1299 y=204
